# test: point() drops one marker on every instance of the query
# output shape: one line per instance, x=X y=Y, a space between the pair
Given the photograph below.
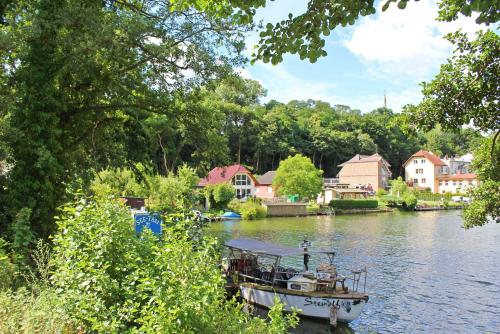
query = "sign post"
x=149 y=221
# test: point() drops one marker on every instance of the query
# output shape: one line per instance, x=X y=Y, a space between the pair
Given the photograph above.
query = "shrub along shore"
x=101 y=277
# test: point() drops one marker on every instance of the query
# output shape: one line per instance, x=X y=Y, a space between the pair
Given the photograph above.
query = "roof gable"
x=267 y=178
x=359 y=158
x=225 y=174
x=428 y=155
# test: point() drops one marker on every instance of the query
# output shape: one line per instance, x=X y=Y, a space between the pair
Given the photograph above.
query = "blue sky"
x=392 y=51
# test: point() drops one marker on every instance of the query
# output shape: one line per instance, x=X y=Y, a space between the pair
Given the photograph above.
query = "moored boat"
x=255 y=267
x=231 y=215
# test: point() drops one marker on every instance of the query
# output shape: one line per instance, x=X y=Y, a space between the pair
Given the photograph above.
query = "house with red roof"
x=238 y=176
x=426 y=170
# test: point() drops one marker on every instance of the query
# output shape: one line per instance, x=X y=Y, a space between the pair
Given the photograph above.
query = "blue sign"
x=150 y=221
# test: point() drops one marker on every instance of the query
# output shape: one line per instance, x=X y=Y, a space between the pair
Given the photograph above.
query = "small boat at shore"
x=256 y=269
x=231 y=215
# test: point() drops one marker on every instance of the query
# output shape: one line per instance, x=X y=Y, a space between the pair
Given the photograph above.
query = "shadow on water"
x=306 y=325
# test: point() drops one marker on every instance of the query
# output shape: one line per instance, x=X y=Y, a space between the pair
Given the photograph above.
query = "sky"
x=391 y=52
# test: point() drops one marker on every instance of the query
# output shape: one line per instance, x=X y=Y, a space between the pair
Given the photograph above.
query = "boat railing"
x=253 y=278
x=358 y=276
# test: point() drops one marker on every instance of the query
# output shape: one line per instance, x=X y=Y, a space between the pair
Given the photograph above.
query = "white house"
x=425 y=170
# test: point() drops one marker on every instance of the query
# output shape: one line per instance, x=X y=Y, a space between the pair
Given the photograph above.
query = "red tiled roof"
x=469 y=176
x=224 y=174
x=428 y=155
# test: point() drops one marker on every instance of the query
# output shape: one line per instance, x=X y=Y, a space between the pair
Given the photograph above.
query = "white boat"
x=320 y=294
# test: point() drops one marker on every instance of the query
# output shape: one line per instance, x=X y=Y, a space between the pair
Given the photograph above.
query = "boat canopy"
x=256 y=246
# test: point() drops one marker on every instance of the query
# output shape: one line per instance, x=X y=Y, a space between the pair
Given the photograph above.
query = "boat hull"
x=348 y=307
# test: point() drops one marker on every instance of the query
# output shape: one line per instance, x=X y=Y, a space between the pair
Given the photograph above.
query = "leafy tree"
x=238 y=100
x=81 y=77
x=297 y=175
x=485 y=198
x=465 y=91
x=304 y=34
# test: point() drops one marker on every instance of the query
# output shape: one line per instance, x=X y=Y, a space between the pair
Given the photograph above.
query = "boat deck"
x=340 y=294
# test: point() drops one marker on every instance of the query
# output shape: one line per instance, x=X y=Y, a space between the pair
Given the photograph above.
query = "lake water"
x=426 y=274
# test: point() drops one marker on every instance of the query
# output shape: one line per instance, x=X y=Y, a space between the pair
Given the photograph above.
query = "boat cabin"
x=262 y=263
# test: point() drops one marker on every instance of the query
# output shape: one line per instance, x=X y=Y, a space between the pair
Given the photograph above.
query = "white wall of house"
x=422 y=173
x=325 y=197
x=244 y=185
x=456 y=185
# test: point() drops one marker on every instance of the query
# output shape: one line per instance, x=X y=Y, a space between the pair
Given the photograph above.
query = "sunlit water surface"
x=426 y=274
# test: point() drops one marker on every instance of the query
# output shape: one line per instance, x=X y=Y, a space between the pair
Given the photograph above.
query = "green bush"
x=251 y=209
x=7 y=267
x=409 y=201
x=235 y=205
x=354 y=204
x=381 y=192
x=164 y=193
x=25 y=312
x=115 y=281
x=428 y=196
x=220 y=195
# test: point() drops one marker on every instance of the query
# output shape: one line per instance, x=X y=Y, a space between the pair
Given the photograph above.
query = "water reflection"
x=426 y=273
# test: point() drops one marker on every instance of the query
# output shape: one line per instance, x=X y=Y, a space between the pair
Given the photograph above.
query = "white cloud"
x=284 y=86
x=402 y=44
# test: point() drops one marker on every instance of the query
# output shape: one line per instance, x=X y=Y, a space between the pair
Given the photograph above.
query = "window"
x=446 y=183
x=441 y=183
x=415 y=181
x=419 y=171
x=423 y=161
x=415 y=162
x=241 y=180
x=242 y=193
x=423 y=180
x=470 y=182
x=454 y=183
x=269 y=189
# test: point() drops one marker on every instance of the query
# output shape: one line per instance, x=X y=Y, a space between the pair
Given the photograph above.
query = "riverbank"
x=360 y=211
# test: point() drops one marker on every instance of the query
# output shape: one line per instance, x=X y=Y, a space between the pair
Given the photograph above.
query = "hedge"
x=354 y=204
x=428 y=196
